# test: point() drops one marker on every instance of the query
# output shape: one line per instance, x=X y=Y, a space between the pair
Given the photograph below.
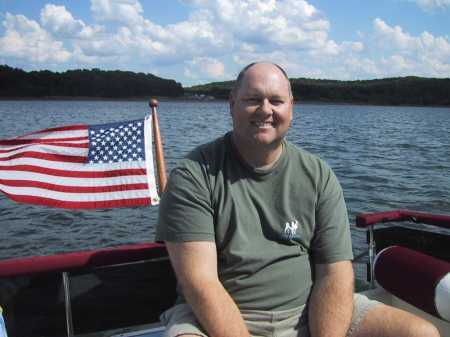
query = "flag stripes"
x=80 y=166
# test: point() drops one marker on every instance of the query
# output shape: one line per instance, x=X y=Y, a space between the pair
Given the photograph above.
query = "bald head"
x=243 y=72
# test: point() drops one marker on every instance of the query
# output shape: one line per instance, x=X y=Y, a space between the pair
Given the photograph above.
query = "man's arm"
x=195 y=265
x=331 y=301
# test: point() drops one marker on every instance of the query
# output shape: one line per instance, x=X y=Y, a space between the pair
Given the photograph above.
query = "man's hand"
x=195 y=265
x=331 y=301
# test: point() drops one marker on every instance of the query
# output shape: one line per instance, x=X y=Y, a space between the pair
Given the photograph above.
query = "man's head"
x=261 y=106
x=238 y=82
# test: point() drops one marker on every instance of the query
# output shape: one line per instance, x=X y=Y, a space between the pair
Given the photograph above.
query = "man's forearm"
x=331 y=305
x=195 y=265
x=216 y=311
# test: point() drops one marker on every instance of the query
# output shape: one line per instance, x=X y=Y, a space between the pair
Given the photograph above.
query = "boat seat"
x=417 y=278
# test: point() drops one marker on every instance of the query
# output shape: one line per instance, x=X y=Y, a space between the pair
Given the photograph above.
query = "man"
x=258 y=234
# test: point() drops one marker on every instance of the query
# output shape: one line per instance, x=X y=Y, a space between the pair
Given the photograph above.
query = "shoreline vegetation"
x=96 y=84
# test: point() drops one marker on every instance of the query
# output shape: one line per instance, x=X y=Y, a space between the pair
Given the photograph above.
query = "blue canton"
x=116 y=142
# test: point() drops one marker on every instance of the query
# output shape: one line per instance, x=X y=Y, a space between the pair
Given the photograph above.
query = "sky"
x=201 y=41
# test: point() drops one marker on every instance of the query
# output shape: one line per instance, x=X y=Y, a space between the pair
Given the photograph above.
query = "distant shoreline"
x=188 y=99
x=99 y=85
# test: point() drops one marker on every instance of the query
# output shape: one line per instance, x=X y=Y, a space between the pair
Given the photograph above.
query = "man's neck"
x=259 y=156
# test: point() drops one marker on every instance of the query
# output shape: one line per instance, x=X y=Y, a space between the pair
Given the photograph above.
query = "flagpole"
x=160 y=163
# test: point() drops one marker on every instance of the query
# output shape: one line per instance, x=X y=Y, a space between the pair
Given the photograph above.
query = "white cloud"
x=225 y=29
x=398 y=64
x=393 y=36
x=422 y=47
x=221 y=34
x=423 y=55
x=128 y=12
x=59 y=21
x=204 y=68
x=26 y=39
x=431 y=5
x=272 y=24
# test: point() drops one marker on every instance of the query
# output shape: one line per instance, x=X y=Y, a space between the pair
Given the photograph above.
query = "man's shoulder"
x=209 y=150
x=207 y=156
x=298 y=154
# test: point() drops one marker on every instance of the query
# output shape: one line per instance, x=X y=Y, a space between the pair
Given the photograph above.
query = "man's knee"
x=387 y=321
x=425 y=328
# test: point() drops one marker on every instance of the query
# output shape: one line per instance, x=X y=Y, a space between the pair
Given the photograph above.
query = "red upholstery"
x=367 y=219
x=411 y=276
x=83 y=259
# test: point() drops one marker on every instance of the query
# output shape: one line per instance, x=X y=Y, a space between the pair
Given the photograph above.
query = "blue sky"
x=199 y=41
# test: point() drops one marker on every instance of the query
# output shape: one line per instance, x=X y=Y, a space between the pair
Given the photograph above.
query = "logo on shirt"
x=290 y=229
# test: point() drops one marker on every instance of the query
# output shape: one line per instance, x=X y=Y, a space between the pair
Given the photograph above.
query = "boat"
x=121 y=291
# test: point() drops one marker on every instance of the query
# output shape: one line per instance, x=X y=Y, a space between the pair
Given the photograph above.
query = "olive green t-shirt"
x=270 y=227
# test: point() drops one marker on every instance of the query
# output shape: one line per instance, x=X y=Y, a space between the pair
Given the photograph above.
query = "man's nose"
x=266 y=107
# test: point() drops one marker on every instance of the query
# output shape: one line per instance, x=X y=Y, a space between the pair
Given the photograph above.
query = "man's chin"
x=266 y=141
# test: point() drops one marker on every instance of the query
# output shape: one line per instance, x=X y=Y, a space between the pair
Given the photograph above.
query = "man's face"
x=261 y=108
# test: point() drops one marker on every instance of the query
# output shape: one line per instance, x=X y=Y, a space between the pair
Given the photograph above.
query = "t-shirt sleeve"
x=332 y=238
x=185 y=212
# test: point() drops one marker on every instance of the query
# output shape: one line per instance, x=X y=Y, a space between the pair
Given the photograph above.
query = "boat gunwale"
x=81 y=260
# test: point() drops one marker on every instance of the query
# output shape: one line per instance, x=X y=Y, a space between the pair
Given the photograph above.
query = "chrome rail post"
x=371 y=257
x=68 y=307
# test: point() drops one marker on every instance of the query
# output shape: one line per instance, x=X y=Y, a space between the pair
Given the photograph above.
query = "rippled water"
x=385 y=157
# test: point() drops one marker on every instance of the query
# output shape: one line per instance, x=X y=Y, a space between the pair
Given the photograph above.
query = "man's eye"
x=277 y=101
x=252 y=100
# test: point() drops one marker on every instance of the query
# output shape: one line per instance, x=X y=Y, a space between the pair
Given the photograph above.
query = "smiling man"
x=258 y=234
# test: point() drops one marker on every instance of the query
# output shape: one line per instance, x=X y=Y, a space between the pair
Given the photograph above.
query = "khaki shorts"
x=181 y=320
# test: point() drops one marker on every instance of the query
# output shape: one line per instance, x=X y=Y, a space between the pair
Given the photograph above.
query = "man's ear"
x=231 y=101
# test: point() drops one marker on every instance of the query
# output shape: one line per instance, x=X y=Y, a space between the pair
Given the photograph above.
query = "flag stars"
x=117 y=143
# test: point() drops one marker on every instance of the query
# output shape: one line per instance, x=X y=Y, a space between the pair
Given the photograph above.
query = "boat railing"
x=368 y=221
x=81 y=260
x=101 y=265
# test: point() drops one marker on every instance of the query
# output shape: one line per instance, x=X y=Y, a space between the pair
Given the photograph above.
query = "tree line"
x=389 y=91
x=95 y=83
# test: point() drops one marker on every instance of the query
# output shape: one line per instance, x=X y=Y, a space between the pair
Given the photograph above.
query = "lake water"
x=385 y=158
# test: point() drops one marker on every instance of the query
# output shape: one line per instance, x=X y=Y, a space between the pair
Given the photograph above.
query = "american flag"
x=81 y=166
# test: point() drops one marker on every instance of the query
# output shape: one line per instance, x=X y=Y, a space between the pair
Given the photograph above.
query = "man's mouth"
x=262 y=124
